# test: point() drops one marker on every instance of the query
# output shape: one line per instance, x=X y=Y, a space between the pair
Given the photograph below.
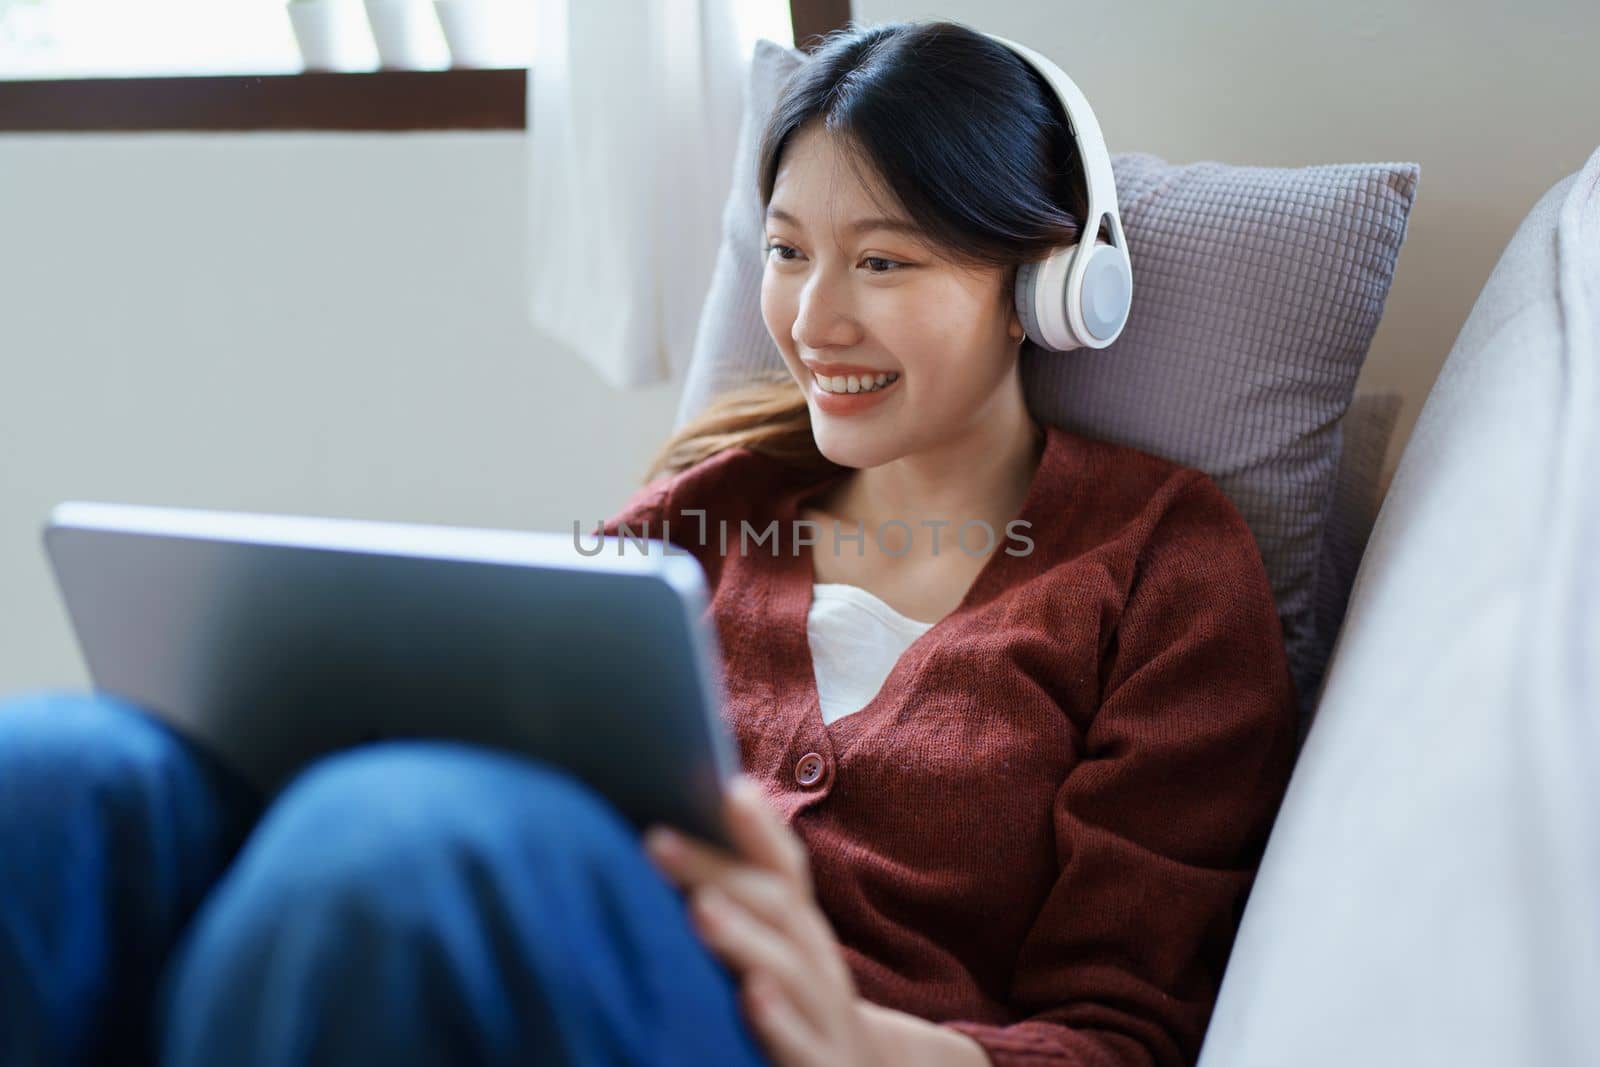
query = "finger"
x=784 y=1033
x=759 y=836
x=750 y=946
x=686 y=860
x=764 y=838
x=768 y=896
x=779 y=900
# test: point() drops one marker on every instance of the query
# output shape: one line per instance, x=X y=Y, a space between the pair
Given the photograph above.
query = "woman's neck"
x=982 y=476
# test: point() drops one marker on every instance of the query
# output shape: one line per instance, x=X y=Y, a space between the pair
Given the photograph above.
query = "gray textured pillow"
x=1257 y=291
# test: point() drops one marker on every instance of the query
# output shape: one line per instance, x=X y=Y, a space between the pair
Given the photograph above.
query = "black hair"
x=967 y=136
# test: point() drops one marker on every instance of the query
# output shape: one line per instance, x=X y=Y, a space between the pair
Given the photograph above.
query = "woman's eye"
x=890 y=265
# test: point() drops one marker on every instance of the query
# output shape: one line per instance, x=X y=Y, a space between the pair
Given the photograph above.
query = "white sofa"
x=1430 y=893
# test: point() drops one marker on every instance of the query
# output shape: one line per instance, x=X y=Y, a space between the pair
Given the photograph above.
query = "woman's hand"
x=757 y=913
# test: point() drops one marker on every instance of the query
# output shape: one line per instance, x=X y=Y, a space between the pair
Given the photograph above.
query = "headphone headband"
x=1079 y=296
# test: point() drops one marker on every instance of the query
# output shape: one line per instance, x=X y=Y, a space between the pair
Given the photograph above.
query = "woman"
x=1004 y=791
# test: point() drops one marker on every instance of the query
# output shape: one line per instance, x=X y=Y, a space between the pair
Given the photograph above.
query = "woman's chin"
x=852 y=444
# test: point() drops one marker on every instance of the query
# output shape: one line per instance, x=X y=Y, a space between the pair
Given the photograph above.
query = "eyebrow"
x=859 y=226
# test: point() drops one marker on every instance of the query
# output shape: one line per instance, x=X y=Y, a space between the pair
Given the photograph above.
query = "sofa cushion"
x=1257 y=291
x=1357 y=495
x=1430 y=892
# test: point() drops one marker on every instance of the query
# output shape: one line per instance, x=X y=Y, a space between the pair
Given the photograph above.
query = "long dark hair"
x=965 y=134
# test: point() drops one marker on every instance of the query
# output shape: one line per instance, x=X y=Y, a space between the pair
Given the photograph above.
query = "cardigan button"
x=811 y=770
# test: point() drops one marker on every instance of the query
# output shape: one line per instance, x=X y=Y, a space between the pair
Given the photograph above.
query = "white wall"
x=317 y=324
x=334 y=324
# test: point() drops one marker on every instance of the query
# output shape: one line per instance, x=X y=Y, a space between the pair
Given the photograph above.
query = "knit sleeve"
x=642 y=512
x=1160 y=826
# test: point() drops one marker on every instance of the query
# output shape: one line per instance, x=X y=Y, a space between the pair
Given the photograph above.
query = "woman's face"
x=839 y=290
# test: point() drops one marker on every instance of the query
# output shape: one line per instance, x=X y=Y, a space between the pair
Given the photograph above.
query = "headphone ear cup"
x=1024 y=301
x=1106 y=292
x=1079 y=295
x=1041 y=300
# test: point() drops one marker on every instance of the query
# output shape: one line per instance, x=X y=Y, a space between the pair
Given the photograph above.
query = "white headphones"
x=1078 y=297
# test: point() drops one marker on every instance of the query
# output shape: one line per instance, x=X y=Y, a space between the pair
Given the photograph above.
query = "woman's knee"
x=111 y=829
x=70 y=758
x=384 y=826
x=396 y=866
x=61 y=740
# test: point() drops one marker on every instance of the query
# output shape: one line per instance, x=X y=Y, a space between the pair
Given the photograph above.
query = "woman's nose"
x=823 y=319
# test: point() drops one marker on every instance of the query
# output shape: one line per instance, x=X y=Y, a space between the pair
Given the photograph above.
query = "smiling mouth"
x=845 y=384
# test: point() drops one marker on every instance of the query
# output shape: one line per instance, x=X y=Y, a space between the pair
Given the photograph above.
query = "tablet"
x=274 y=639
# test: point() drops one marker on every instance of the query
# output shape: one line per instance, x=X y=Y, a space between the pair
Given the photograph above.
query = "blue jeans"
x=406 y=902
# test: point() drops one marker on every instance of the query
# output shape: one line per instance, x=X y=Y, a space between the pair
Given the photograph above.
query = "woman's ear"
x=1014 y=328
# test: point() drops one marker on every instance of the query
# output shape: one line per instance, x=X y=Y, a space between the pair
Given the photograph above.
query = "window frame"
x=383 y=100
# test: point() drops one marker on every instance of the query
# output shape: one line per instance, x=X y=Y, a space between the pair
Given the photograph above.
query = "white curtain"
x=633 y=116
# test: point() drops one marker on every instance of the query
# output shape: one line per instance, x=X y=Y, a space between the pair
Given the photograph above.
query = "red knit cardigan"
x=1043 y=828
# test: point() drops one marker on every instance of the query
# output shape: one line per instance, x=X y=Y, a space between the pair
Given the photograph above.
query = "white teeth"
x=854 y=383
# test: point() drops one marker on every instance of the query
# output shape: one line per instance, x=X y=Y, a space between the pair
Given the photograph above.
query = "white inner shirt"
x=856 y=639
